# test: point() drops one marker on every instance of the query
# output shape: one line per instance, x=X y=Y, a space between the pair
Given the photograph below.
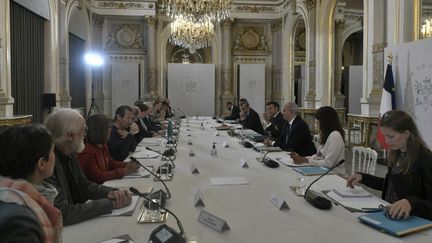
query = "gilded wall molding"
x=250 y=59
x=123 y=5
x=276 y=25
x=378 y=47
x=151 y=20
x=126 y=57
x=125 y=37
x=255 y=9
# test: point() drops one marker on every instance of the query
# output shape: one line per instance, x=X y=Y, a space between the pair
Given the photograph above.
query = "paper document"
x=352 y=193
x=286 y=160
x=119 y=239
x=220 y=181
x=363 y=204
x=139 y=174
x=126 y=211
x=146 y=154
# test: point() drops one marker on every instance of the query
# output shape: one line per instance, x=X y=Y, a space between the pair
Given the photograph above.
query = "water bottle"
x=213 y=151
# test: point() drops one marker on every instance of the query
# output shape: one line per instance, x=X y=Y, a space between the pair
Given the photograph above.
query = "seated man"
x=295 y=135
x=234 y=111
x=276 y=121
x=144 y=131
x=68 y=129
x=250 y=118
x=122 y=140
x=148 y=120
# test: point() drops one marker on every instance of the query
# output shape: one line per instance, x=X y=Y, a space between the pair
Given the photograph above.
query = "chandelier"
x=191 y=35
x=198 y=10
x=426 y=28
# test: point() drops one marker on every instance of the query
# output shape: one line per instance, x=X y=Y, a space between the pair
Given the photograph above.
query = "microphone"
x=159 y=194
x=314 y=198
x=166 y=154
x=269 y=163
x=163 y=233
x=183 y=114
x=169 y=141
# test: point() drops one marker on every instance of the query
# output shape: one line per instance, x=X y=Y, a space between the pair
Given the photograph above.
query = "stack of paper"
x=312 y=170
x=145 y=154
x=356 y=199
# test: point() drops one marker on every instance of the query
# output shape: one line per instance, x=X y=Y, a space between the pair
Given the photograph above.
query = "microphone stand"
x=164 y=155
x=269 y=163
x=176 y=237
x=165 y=195
x=318 y=201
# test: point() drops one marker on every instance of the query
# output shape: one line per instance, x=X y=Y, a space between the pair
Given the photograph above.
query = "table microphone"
x=166 y=154
x=163 y=233
x=159 y=194
x=269 y=163
x=314 y=198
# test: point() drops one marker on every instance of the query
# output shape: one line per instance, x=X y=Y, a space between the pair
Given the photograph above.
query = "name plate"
x=216 y=134
x=191 y=153
x=225 y=144
x=194 y=169
x=199 y=199
x=243 y=163
x=212 y=221
x=278 y=202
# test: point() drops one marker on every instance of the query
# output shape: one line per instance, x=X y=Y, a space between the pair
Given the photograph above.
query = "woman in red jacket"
x=95 y=160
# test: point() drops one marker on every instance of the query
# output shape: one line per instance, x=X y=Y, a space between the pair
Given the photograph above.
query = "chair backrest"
x=363 y=160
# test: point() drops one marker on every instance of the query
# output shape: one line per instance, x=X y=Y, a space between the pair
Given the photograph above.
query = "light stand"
x=93 y=61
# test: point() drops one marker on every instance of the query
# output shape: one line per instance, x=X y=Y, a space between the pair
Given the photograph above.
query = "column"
x=373 y=56
x=311 y=56
x=151 y=52
x=227 y=71
x=276 y=73
x=339 y=97
x=6 y=100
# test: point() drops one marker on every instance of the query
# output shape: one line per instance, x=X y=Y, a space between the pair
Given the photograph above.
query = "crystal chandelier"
x=426 y=28
x=191 y=35
x=198 y=10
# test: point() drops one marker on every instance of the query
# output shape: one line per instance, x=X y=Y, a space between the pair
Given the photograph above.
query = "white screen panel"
x=125 y=78
x=252 y=85
x=191 y=87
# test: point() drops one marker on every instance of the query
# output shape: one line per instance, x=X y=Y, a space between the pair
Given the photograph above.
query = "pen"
x=371 y=209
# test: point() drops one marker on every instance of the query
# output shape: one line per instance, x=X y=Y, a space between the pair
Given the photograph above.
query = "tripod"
x=93 y=104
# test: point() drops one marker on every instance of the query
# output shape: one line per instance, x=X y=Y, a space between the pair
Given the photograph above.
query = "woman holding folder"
x=408 y=183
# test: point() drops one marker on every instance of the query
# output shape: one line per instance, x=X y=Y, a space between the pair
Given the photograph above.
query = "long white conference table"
x=247 y=209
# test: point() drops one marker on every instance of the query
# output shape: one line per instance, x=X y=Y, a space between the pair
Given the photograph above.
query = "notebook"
x=395 y=227
x=312 y=170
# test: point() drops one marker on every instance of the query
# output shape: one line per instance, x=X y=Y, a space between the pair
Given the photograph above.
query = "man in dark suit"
x=122 y=140
x=250 y=118
x=234 y=111
x=276 y=121
x=144 y=131
x=295 y=135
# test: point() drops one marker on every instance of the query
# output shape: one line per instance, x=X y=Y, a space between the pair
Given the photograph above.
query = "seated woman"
x=332 y=147
x=408 y=183
x=95 y=160
x=26 y=210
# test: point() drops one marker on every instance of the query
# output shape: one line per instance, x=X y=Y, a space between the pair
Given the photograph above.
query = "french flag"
x=388 y=102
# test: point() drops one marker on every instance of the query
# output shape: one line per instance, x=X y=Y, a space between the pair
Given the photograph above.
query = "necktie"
x=288 y=128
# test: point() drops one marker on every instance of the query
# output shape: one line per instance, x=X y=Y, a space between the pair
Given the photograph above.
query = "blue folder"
x=311 y=170
x=395 y=227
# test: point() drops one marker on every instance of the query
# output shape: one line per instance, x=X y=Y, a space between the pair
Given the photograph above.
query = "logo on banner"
x=191 y=88
x=423 y=91
x=253 y=84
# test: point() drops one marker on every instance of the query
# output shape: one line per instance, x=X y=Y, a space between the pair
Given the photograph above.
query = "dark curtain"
x=76 y=71
x=27 y=61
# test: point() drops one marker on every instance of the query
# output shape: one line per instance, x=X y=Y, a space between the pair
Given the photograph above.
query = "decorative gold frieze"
x=340 y=23
x=227 y=23
x=255 y=9
x=125 y=36
x=251 y=59
x=126 y=57
x=122 y=5
x=276 y=25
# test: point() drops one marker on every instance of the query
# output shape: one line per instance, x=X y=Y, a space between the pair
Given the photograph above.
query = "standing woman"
x=408 y=183
x=95 y=160
x=27 y=213
x=332 y=146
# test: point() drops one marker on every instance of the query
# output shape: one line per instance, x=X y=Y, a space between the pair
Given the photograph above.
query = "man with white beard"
x=68 y=130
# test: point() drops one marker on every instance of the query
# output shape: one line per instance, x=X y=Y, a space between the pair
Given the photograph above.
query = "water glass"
x=300 y=185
